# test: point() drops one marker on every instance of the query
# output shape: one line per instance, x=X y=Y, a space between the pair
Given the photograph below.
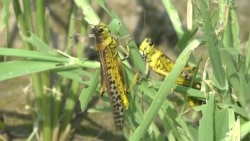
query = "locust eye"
x=100 y=30
x=150 y=42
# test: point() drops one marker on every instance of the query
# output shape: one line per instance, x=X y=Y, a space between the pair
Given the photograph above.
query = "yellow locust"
x=112 y=76
x=161 y=64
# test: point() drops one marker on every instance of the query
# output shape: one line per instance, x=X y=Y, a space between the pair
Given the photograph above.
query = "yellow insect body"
x=112 y=75
x=160 y=63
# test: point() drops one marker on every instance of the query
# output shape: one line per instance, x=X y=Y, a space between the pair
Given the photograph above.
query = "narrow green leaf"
x=248 y=55
x=174 y=17
x=244 y=129
x=234 y=133
x=13 y=69
x=212 y=45
x=89 y=14
x=38 y=43
x=75 y=74
x=185 y=38
x=89 y=91
x=224 y=121
x=4 y=14
x=206 y=128
x=32 y=55
x=103 y=5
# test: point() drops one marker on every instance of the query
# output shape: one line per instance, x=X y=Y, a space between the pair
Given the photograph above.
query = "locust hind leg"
x=136 y=78
x=103 y=84
x=127 y=50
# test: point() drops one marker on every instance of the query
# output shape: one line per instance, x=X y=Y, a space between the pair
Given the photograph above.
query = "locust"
x=112 y=73
x=161 y=63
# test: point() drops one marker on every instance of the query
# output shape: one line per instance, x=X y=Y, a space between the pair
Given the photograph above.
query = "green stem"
x=23 y=32
x=40 y=10
x=47 y=99
x=69 y=107
x=28 y=16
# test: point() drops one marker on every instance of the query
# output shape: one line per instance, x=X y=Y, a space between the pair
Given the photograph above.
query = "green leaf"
x=248 y=55
x=4 y=14
x=89 y=91
x=174 y=17
x=89 y=14
x=212 y=46
x=245 y=129
x=224 y=121
x=206 y=128
x=38 y=43
x=32 y=55
x=13 y=69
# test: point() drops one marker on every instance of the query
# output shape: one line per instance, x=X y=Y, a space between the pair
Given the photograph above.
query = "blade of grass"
x=76 y=75
x=4 y=26
x=173 y=123
x=185 y=38
x=212 y=45
x=61 y=61
x=206 y=128
x=248 y=55
x=174 y=17
x=24 y=67
x=224 y=121
x=233 y=25
x=71 y=29
x=37 y=42
x=244 y=129
x=190 y=92
x=89 y=91
x=244 y=85
x=4 y=15
x=89 y=14
x=32 y=55
x=21 y=22
x=41 y=23
x=28 y=16
x=69 y=108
